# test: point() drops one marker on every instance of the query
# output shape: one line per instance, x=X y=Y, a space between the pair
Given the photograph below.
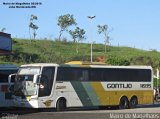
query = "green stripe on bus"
x=82 y=94
x=91 y=93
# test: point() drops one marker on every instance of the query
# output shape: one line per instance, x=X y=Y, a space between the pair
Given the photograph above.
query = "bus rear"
x=5 y=94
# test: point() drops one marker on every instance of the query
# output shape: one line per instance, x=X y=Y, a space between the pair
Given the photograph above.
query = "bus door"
x=46 y=85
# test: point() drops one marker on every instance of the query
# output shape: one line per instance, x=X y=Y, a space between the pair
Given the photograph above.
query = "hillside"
x=26 y=51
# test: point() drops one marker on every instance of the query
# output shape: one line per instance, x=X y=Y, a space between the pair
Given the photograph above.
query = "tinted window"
x=46 y=81
x=127 y=75
x=96 y=74
x=72 y=74
x=103 y=74
x=5 y=73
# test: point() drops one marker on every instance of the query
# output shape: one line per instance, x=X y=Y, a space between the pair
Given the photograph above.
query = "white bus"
x=82 y=85
x=5 y=95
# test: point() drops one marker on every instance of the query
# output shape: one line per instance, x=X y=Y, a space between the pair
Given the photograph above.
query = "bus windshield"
x=24 y=81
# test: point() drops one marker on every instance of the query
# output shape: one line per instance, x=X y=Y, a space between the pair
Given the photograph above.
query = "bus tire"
x=61 y=104
x=123 y=104
x=133 y=102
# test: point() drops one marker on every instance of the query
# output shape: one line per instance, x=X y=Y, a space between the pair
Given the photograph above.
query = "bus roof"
x=40 y=64
x=107 y=66
x=87 y=64
x=103 y=65
x=124 y=67
x=8 y=66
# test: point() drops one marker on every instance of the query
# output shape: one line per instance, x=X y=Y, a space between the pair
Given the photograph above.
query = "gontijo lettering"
x=121 y=85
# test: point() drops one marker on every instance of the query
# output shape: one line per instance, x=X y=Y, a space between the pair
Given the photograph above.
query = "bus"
x=5 y=95
x=60 y=86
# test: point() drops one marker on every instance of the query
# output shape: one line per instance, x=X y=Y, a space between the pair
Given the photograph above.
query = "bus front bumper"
x=25 y=103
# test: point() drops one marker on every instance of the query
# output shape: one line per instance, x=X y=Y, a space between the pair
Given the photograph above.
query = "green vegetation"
x=61 y=50
x=64 y=21
x=155 y=82
x=26 y=51
x=103 y=29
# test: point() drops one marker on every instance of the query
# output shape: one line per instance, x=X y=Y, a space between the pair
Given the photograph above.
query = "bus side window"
x=96 y=74
x=82 y=75
x=3 y=76
x=5 y=73
x=85 y=75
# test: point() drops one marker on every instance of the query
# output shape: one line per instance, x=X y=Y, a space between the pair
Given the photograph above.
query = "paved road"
x=142 y=112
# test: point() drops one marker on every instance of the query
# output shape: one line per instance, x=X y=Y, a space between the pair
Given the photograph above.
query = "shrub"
x=117 y=61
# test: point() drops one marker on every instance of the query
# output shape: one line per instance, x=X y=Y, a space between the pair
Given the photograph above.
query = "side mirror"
x=10 y=78
x=36 y=79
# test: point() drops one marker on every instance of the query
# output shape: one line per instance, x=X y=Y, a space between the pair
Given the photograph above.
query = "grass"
x=60 y=52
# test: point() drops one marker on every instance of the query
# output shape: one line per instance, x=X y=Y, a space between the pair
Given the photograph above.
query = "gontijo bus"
x=81 y=85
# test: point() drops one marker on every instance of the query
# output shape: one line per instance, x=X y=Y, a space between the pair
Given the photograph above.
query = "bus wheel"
x=133 y=102
x=61 y=104
x=123 y=104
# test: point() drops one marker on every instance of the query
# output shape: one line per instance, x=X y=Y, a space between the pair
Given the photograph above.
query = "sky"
x=133 y=23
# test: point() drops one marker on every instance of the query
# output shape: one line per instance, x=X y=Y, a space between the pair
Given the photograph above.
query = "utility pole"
x=91 y=17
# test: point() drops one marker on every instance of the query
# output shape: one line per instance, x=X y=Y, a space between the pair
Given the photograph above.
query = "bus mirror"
x=36 y=79
x=11 y=78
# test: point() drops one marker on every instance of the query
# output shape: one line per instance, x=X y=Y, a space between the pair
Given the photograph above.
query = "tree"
x=103 y=29
x=77 y=35
x=64 y=21
x=33 y=26
x=3 y=29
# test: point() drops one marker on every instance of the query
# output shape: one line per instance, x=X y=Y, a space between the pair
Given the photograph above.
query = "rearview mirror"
x=36 y=79
x=10 y=78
